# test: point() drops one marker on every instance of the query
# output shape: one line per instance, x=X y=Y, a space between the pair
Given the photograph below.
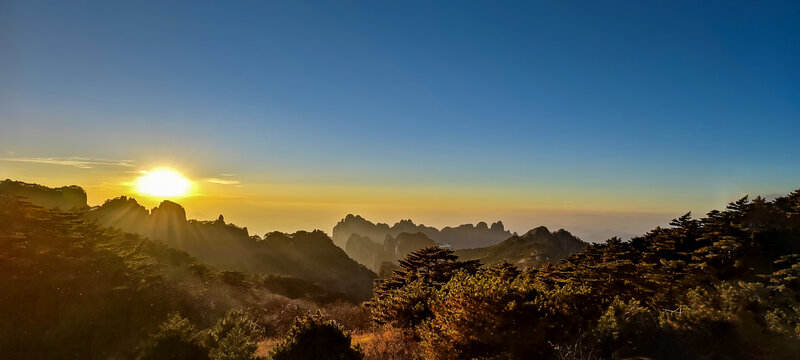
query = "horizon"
x=286 y=116
x=149 y=203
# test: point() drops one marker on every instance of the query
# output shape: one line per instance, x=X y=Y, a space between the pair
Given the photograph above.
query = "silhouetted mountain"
x=367 y=252
x=72 y=289
x=310 y=256
x=460 y=237
x=404 y=243
x=66 y=197
x=306 y=255
x=536 y=246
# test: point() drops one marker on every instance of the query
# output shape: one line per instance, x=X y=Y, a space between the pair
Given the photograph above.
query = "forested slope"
x=726 y=286
x=72 y=289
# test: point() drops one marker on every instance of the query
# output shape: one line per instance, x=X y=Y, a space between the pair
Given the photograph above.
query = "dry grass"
x=264 y=346
x=387 y=343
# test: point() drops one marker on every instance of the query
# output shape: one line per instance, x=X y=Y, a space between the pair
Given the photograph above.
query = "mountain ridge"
x=459 y=237
x=531 y=249
x=310 y=256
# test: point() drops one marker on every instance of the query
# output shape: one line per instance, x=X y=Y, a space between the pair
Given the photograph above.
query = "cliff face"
x=373 y=255
x=404 y=243
x=366 y=252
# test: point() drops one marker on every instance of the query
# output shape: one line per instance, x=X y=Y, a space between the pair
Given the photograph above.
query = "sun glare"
x=163 y=182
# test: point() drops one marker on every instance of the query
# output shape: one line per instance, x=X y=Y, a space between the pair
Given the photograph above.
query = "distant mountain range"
x=373 y=255
x=460 y=237
x=536 y=246
x=310 y=256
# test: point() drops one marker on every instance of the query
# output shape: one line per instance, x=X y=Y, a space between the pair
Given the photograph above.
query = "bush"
x=480 y=316
x=314 y=338
x=402 y=300
x=351 y=316
x=176 y=339
x=626 y=328
x=234 y=337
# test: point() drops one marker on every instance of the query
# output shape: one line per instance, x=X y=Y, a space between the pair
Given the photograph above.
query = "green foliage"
x=622 y=322
x=314 y=338
x=727 y=285
x=480 y=315
x=234 y=337
x=403 y=298
x=82 y=291
x=176 y=339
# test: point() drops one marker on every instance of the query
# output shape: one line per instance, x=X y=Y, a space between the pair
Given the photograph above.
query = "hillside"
x=305 y=255
x=71 y=289
x=531 y=249
x=65 y=197
x=310 y=256
x=394 y=248
x=459 y=237
x=725 y=286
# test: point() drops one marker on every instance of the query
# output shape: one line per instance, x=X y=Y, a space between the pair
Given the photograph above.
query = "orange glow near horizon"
x=163 y=183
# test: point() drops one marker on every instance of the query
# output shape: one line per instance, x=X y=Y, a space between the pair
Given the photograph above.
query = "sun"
x=163 y=182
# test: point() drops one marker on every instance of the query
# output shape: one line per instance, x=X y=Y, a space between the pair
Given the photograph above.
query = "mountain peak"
x=169 y=209
x=498 y=226
x=537 y=231
x=459 y=237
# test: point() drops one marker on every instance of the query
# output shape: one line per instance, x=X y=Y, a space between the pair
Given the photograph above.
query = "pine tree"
x=403 y=298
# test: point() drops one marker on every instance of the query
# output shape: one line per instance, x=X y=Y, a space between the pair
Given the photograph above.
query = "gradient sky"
x=603 y=117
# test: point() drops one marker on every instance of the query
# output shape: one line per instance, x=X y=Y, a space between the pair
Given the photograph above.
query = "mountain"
x=529 y=250
x=73 y=289
x=404 y=243
x=724 y=286
x=310 y=256
x=394 y=248
x=66 y=197
x=367 y=252
x=307 y=255
x=537 y=246
x=460 y=237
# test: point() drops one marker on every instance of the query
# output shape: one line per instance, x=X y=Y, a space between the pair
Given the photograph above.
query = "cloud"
x=78 y=162
x=222 y=181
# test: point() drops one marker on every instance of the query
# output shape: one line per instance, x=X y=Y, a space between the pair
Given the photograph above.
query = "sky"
x=606 y=118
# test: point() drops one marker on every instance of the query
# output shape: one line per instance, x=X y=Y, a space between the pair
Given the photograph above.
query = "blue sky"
x=619 y=98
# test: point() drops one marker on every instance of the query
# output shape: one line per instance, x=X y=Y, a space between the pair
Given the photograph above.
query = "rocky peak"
x=169 y=210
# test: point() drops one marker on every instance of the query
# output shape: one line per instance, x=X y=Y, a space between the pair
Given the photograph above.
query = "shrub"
x=234 y=337
x=351 y=316
x=314 y=338
x=479 y=316
x=402 y=299
x=176 y=339
x=626 y=327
